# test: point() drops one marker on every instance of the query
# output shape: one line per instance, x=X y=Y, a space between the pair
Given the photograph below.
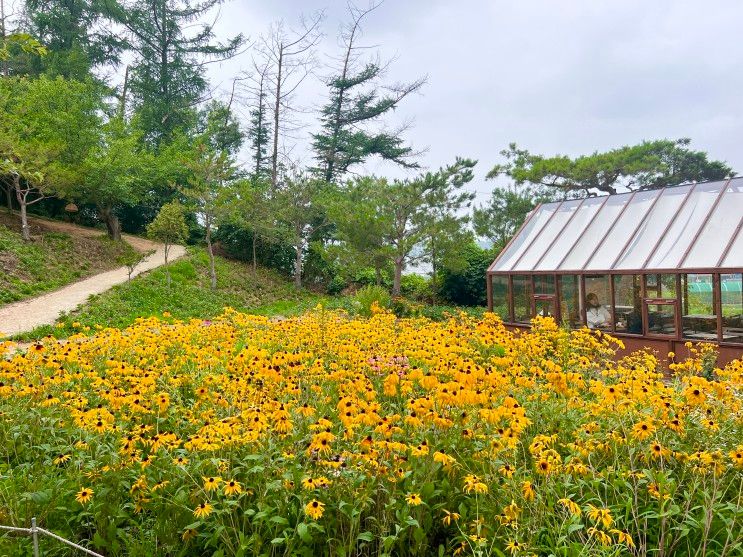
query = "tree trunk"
x=9 y=196
x=298 y=266
x=25 y=230
x=397 y=282
x=212 y=270
x=378 y=275
x=276 y=112
x=113 y=226
x=255 y=254
x=167 y=269
x=434 y=275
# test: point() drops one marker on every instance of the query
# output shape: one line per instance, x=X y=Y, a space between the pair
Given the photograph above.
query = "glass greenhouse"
x=662 y=265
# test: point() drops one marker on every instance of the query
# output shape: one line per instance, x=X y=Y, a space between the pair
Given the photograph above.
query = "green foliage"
x=116 y=173
x=237 y=242
x=648 y=165
x=169 y=227
x=73 y=33
x=466 y=287
x=168 y=74
x=377 y=220
x=46 y=127
x=368 y=296
x=416 y=287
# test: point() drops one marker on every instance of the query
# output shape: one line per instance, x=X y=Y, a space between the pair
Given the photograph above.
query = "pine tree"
x=356 y=101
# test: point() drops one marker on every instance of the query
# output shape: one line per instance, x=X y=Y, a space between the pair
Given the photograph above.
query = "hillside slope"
x=189 y=296
x=60 y=254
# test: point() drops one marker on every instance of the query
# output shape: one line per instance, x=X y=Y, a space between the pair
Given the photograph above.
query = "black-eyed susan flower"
x=232 y=487
x=314 y=509
x=203 y=510
x=413 y=499
x=211 y=483
x=84 y=495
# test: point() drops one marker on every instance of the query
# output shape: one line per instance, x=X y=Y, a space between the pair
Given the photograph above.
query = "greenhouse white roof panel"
x=692 y=226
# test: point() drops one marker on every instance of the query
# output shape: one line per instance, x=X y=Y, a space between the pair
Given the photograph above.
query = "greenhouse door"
x=661 y=317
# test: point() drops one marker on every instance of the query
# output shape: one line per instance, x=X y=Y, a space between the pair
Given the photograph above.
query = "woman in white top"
x=597 y=316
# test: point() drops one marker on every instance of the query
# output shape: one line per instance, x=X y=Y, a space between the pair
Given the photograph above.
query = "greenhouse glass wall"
x=656 y=267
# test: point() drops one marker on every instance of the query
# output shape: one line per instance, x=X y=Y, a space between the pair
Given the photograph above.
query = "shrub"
x=416 y=287
x=466 y=287
x=366 y=297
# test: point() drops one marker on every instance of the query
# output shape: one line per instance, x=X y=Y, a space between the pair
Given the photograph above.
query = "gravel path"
x=26 y=315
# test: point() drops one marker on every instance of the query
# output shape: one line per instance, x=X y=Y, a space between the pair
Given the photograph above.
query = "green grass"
x=189 y=296
x=28 y=269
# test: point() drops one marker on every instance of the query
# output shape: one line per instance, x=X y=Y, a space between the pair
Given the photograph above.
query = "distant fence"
x=34 y=532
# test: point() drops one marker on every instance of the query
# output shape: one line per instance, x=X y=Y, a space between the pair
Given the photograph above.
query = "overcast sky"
x=557 y=77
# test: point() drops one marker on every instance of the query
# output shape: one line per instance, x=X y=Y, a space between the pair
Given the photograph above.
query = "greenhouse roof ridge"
x=689 y=226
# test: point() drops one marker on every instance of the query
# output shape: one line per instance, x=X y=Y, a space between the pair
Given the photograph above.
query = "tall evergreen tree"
x=76 y=35
x=356 y=102
x=167 y=78
x=259 y=129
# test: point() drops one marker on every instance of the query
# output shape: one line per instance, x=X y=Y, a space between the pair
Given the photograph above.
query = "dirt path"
x=28 y=314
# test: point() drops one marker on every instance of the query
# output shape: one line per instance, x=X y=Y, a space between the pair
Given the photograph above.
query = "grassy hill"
x=53 y=260
x=188 y=296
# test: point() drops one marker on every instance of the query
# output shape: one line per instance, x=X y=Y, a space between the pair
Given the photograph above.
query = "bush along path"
x=26 y=315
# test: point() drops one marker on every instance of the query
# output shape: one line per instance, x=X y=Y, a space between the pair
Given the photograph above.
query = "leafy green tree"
x=445 y=224
x=209 y=171
x=259 y=129
x=357 y=101
x=649 y=165
x=171 y=48
x=46 y=127
x=169 y=227
x=359 y=232
x=300 y=214
x=246 y=204
x=398 y=214
x=506 y=211
x=219 y=127
x=115 y=173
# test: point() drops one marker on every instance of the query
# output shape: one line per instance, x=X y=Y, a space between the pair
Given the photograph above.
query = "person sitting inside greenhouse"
x=597 y=316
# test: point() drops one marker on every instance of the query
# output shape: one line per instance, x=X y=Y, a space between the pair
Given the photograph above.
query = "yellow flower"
x=623 y=537
x=448 y=517
x=528 y=491
x=413 y=499
x=600 y=515
x=514 y=547
x=232 y=487
x=642 y=430
x=314 y=509
x=571 y=506
x=737 y=456
x=62 y=459
x=473 y=483
x=211 y=483
x=204 y=509
x=84 y=495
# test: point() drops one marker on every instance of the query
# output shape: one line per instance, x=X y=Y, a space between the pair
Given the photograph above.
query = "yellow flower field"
x=326 y=434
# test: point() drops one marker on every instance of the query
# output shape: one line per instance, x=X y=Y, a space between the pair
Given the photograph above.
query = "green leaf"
x=304 y=533
x=366 y=536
